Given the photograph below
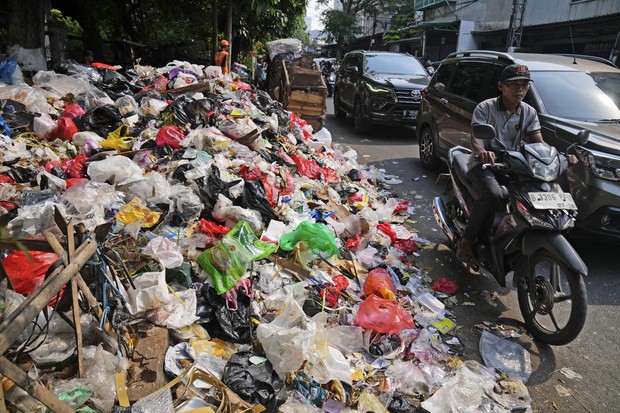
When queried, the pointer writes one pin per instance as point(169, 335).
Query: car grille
point(405, 95)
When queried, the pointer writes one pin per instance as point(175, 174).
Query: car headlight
point(379, 90)
point(601, 164)
point(547, 173)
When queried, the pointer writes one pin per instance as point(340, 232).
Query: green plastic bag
point(317, 236)
point(227, 262)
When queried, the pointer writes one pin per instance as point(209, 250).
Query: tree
point(342, 26)
point(404, 16)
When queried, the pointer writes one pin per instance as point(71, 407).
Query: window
point(468, 80)
point(393, 64)
point(442, 77)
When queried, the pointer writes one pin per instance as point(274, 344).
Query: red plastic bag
point(402, 206)
point(354, 243)
point(170, 135)
point(329, 175)
point(72, 111)
point(7, 180)
point(287, 185)
point(271, 192)
point(408, 246)
point(250, 174)
point(242, 86)
point(331, 294)
point(26, 273)
point(159, 85)
point(387, 230)
point(379, 282)
point(384, 316)
point(211, 228)
point(307, 168)
point(72, 181)
point(76, 167)
point(445, 285)
point(64, 130)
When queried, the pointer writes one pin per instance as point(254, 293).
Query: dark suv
point(570, 93)
point(379, 87)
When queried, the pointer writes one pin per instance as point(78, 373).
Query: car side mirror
point(484, 131)
point(352, 70)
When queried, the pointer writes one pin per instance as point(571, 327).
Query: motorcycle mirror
point(484, 131)
point(583, 136)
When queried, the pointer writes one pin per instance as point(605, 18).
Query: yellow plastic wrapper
point(135, 211)
point(118, 139)
point(370, 403)
point(215, 347)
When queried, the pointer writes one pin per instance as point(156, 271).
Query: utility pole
point(515, 30)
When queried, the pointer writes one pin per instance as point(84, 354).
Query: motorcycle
point(330, 81)
point(527, 234)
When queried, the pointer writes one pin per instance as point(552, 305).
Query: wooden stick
point(75, 302)
point(33, 388)
point(15, 325)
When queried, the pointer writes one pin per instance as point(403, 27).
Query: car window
point(490, 89)
point(442, 77)
point(393, 64)
point(468, 80)
point(579, 95)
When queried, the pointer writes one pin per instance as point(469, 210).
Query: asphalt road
point(593, 356)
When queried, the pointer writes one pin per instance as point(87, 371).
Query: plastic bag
point(116, 169)
point(126, 105)
point(170, 135)
point(387, 230)
point(64, 130)
point(317, 236)
point(506, 356)
point(445, 285)
point(119, 139)
point(379, 282)
point(228, 261)
point(230, 325)
point(165, 250)
point(27, 273)
point(76, 167)
point(256, 383)
point(134, 211)
point(307, 168)
point(384, 316)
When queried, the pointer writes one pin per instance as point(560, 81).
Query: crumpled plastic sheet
point(506, 356)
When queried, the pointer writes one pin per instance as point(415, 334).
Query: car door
point(465, 91)
point(350, 75)
point(435, 100)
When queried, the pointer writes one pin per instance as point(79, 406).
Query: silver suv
point(570, 93)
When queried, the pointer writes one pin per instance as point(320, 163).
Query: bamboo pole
point(36, 390)
point(16, 323)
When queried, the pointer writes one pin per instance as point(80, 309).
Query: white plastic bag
point(165, 250)
point(117, 169)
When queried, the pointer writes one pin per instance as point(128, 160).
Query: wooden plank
point(306, 98)
point(33, 388)
point(75, 302)
point(15, 323)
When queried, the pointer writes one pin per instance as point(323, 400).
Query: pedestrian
point(514, 121)
point(221, 57)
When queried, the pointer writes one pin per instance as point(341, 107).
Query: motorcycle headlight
point(545, 172)
point(601, 164)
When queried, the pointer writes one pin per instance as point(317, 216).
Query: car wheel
point(428, 149)
point(338, 112)
point(362, 125)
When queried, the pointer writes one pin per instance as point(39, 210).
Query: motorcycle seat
point(460, 161)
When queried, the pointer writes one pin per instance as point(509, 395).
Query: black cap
point(515, 72)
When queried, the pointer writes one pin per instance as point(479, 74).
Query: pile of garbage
point(243, 263)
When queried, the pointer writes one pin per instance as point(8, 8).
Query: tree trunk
point(26, 30)
point(216, 30)
point(229, 30)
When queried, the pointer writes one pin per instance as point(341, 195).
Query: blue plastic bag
point(7, 68)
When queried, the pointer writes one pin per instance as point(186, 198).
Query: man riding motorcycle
point(515, 122)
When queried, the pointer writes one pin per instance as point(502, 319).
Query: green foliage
point(340, 27)
point(73, 27)
point(404, 15)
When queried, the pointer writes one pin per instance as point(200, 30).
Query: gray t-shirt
point(510, 129)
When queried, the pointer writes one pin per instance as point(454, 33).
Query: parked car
point(570, 93)
point(379, 87)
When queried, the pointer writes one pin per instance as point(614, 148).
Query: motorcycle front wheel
point(556, 311)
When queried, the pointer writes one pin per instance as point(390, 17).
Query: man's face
point(514, 91)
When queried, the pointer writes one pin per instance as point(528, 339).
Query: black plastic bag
point(199, 112)
point(23, 175)
point(72, 68)
point(400, 404)
point(211, 186)
point(177, 108)
point(228, 325)
point(254, 383)
point(102, 120)
point(254, 198)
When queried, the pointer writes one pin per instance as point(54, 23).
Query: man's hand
point(572, 159)
point(487, 157)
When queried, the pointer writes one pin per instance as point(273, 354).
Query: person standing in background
point(222, 57)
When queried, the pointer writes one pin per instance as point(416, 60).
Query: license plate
point(552, 200)
point(410, 114)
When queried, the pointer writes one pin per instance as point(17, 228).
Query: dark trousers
point(488, 195)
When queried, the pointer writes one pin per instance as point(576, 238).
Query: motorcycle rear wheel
point(558, 313)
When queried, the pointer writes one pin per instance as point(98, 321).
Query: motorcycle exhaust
point(441, 217)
